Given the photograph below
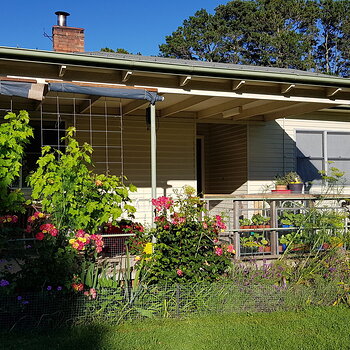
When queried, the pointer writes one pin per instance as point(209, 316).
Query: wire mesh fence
point(56, 308)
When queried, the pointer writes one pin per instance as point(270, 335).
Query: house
point(164, 123)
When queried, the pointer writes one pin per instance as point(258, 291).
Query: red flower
point(78, 287)
point(39, 236)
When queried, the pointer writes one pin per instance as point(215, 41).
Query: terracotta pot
point(253, 226)
point(280, 248)
point(281, 187)
point(267, 248)
point(261, 226)
point(267, 226)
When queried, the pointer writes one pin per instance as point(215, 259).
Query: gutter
point(81, 60)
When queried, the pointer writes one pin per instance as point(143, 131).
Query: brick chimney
point(66, 39)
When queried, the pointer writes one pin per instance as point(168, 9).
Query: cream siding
point(272, 147)
point(175, 159)
point(225, 158)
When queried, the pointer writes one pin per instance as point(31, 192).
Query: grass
point(315, 328)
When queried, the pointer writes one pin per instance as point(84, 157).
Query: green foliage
point(297, 34)
point(119, 50)
point(187, 247)
point(72, 194)
point(293, 177)
point(14, 135)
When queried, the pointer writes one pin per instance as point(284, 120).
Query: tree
point(297, 34)
point(118, 50)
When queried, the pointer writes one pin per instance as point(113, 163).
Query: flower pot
point(267, 248)
point(267, 226)
point(261, 226)
point(253, 226)
point(260, 249)
point(280, 187)
point(296, 187)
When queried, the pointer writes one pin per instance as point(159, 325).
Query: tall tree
point(299, 34)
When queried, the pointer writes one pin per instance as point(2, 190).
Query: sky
point(136, 26)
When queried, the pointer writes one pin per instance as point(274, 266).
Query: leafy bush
point(15, 133)
point(72, 194)
point(187, 247)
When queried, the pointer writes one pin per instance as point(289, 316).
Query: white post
point(153, 156)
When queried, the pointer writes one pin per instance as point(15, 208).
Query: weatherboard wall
point(272, 148)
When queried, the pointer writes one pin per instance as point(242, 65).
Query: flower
point(148, 248)
point(78, 287)
point(93, 293)
point(49, 288)
point(231, 249)
point(98, 183)
point(219, 223)
point(59, 288)
point(162, 203)
point(179, 272)
point(137, 258)
point(4, 283)
point(39, 236)
point(218, 251)
point(19, 298)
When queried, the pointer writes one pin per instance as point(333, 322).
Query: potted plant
point(295, 184)
point(260, 221)
point(280, 183)
point(244, 223)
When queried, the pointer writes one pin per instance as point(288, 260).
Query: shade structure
point(134, 94)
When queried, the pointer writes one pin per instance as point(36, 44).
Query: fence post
point(177, 300)
point(274, 233)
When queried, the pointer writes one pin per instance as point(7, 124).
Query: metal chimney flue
point(62, 18)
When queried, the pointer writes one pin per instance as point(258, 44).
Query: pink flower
point(166, 227)
point(162, 203)
point(231, 249)
point(205, 225)
point(80, 233)
point(28, 229)
point(215, 241)
point(93, 293)
point(177, 220)
point(179, 273)
point(39, 236)
point(219, 223)
point(218, 251)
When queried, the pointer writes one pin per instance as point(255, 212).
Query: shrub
point(187, 247)
point(14, 135)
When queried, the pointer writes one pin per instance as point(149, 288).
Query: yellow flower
point(75, 245)
point(148, 248)
point(137, 258)
point(81, 239)
point(71, 241)
point(41, 215)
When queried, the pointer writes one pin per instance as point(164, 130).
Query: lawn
point(315, 328)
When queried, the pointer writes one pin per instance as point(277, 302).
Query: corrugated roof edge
point(174, 66)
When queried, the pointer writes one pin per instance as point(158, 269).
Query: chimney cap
point(62, 18)
point(64, 13)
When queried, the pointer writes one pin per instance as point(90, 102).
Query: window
point(316, 148)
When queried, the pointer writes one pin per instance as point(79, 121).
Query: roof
point(196, 63)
